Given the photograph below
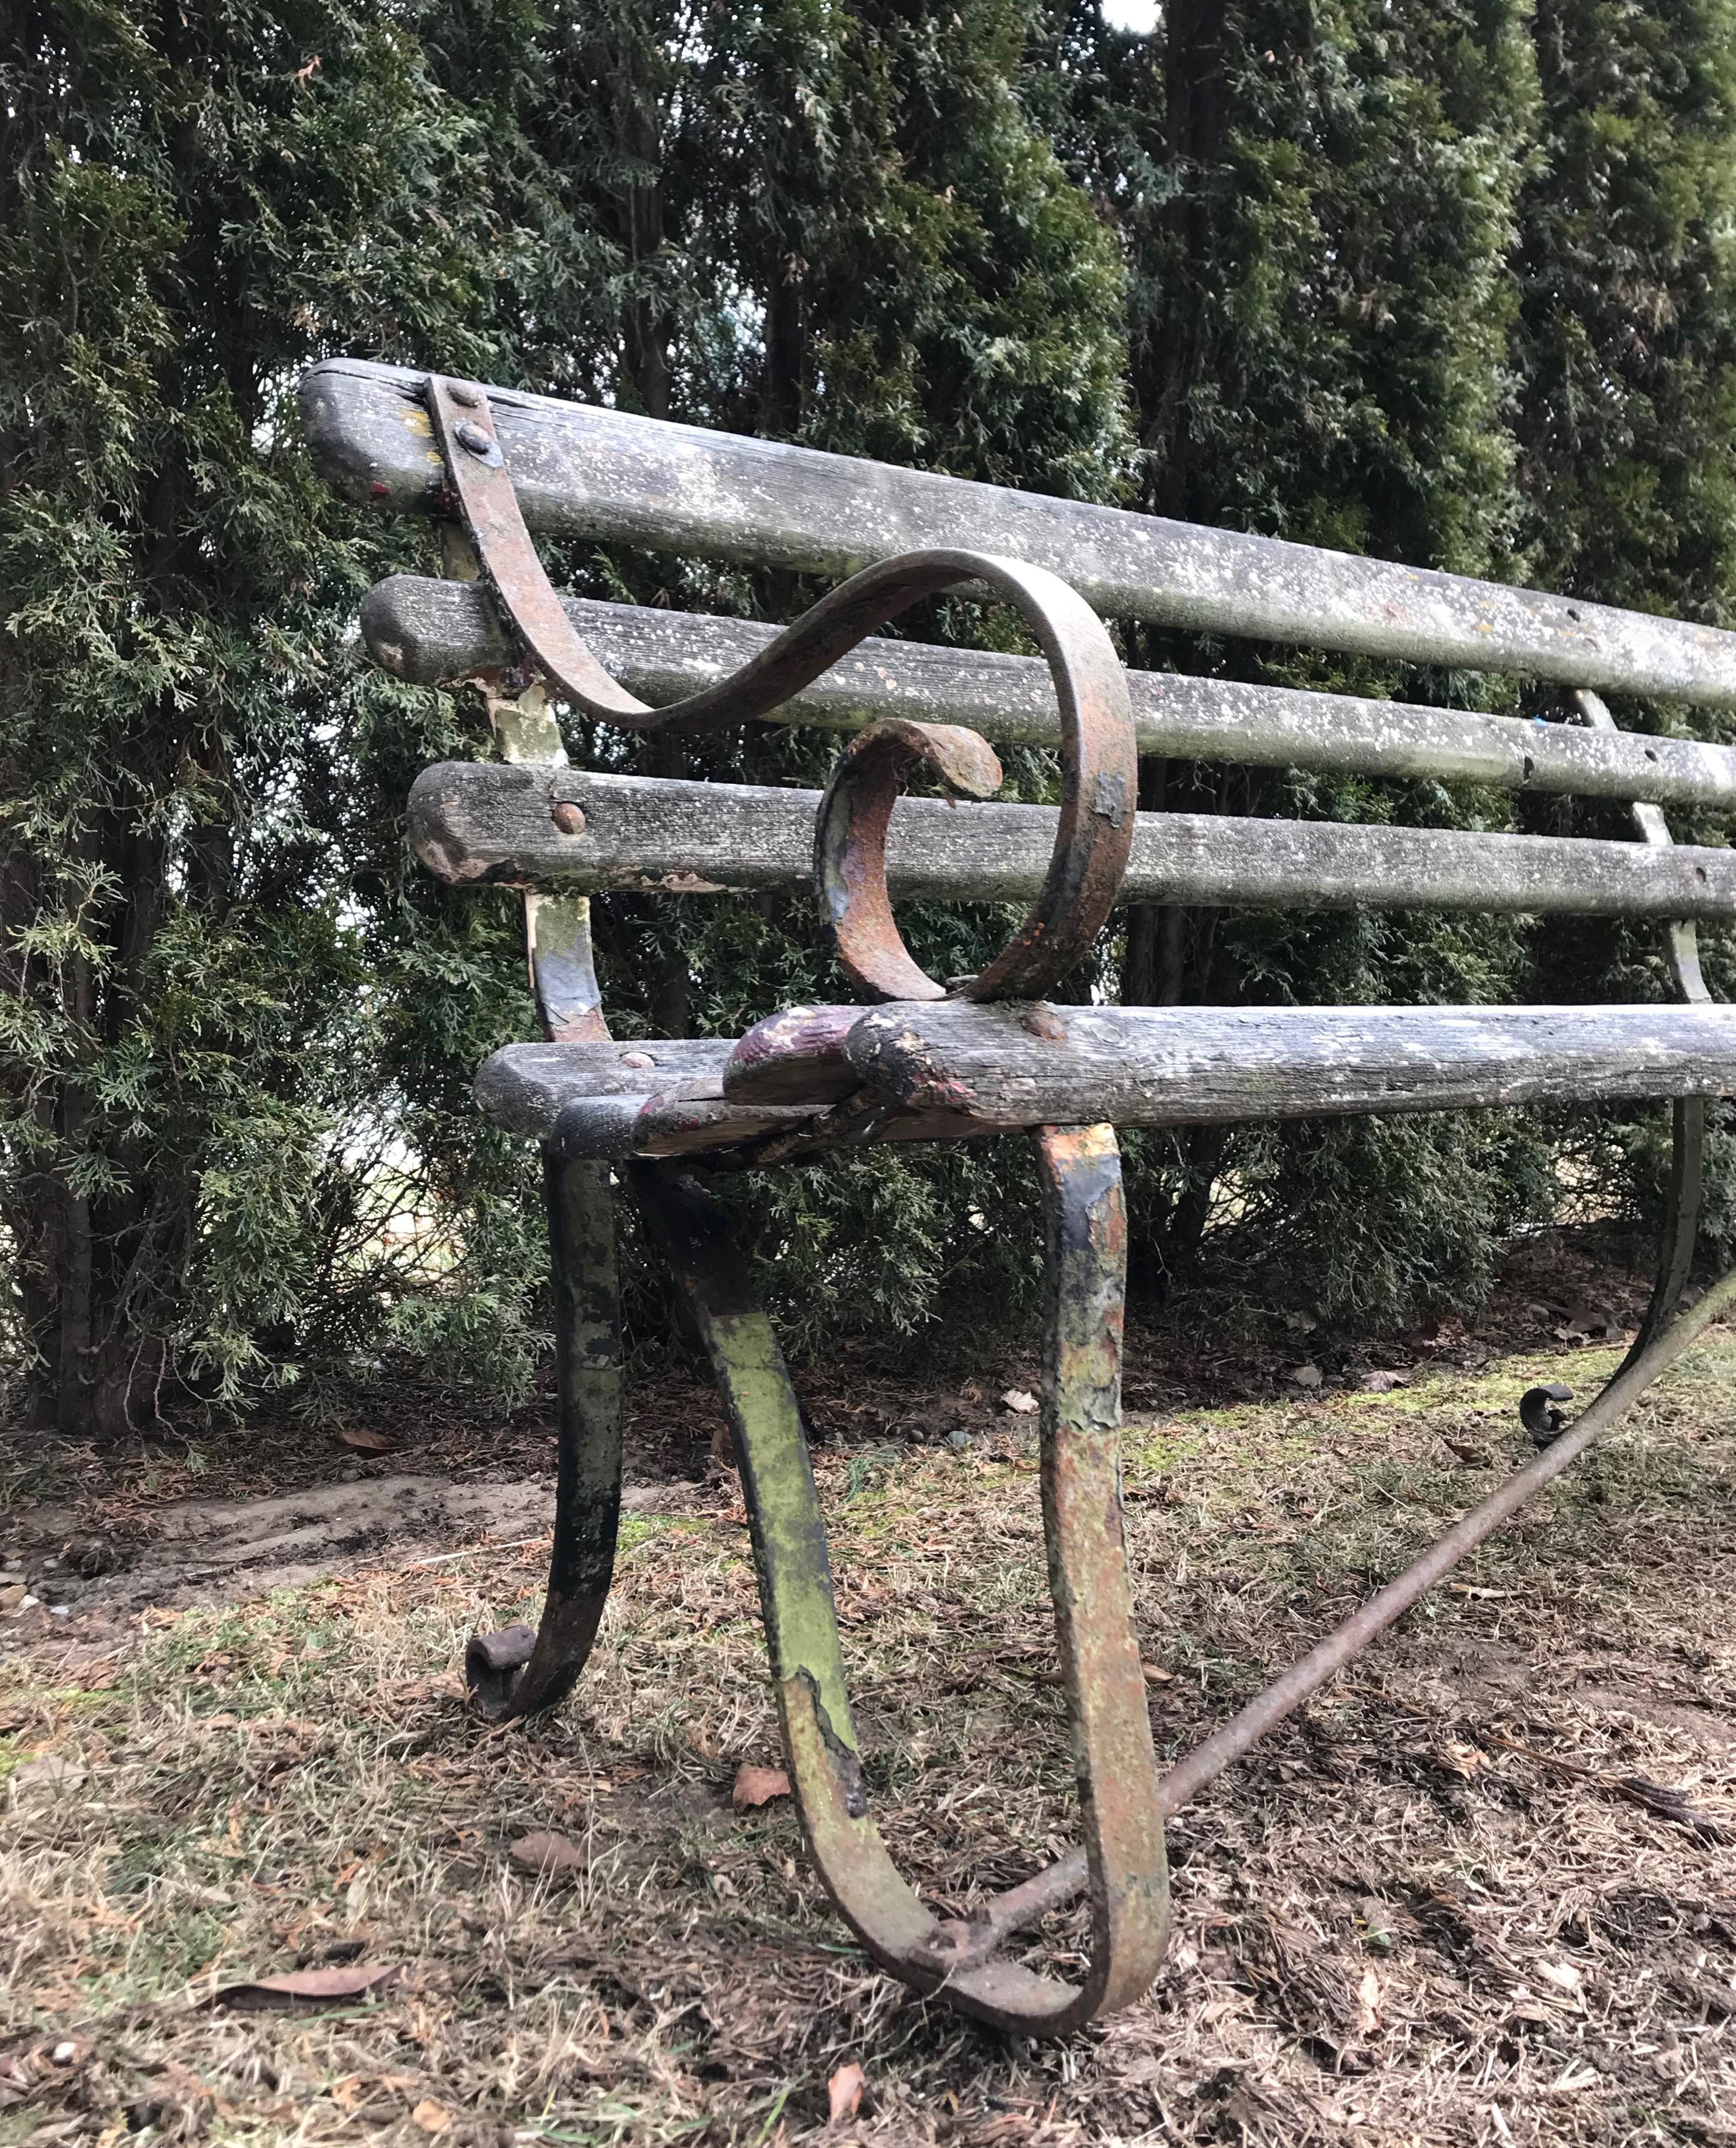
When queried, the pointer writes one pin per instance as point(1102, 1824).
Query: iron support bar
point(1687, 1127)
point(1123, 1859)
point(516, 1672)
point(521, 1669)
point(1064, 1881)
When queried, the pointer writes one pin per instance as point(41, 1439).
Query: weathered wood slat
point(526, 1087)
point(1143, 1066)
point(429, 632)
point(961, 1067)
point(479, 821)
point(604, 475)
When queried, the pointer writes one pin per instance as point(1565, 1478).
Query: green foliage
point(189, 211)
point(1318, 204)
point(1449, 283)
point(1624, 354)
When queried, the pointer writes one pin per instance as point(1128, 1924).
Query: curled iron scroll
point(1100, 767)
point(1093, 838)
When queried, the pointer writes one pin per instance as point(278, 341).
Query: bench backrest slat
point(612, 478)
point(431, 632)
point(474, 822)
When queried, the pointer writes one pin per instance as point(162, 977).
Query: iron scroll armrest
point(1100, 767)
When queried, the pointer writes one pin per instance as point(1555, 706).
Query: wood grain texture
point(482, 821)
point(432, 633)
point(608, 477)
point(525, 1086)
point(957, 1070)
point(1148, 1067)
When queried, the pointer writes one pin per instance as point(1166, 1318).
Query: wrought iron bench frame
point(987, 1054)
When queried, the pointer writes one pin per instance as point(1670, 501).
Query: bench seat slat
point(1164, 1066)
point(608, 477)
point(479, 822)
point(430, 633)
point(963, 1067)
point(525, 1087)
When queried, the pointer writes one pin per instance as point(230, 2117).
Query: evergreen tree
point(242, 1023)
point(1317, 202)
point(193, 205)
point(833, 224)
point(1624, 351)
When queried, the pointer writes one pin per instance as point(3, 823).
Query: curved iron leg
point(518, 1672)
point(1681, 1222)
point(1120, 1815)
point(1682, 1209)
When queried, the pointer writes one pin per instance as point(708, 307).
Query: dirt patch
point(1433, 1908)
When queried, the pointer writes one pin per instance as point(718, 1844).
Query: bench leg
point(1681, 1220)
point(518, 1671)
point(1123, 1829)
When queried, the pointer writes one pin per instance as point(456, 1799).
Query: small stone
point(1305, 1375)
point(958, 1439)
point(637, 1059)
point(63, 2054)
point(60, 1610)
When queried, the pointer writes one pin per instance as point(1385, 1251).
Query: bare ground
point(1444, 1906)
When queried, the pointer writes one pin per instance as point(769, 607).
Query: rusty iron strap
point(1063, 1882)
point(1100, 768)
point(1093, 837)
point(482, 486)
point(1123, 1858)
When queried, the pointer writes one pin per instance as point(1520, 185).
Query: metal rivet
point(471, 435)
point(462, 392)
point(567, 818)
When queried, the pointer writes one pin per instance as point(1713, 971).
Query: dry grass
point(1407, 1920)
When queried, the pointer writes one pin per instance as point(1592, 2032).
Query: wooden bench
point(927, 1060)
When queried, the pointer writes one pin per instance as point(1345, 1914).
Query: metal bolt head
point(471, 435)
point(569, 818)
point(462, 392)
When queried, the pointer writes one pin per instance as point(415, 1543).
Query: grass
point(1407, 1919)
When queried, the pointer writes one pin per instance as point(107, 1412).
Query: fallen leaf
point(549, 1856)
point(1383, 1383)
point(1154, 1675)
point(844, 2095)
point(306, 1987)
point(1368, 2004)
point(431, 2116)
point(1474, 1458)
point(366, 1442)
point(1459, 1758)
point(1021, 1402)
point(1562, 1975)
point(758, 1786)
